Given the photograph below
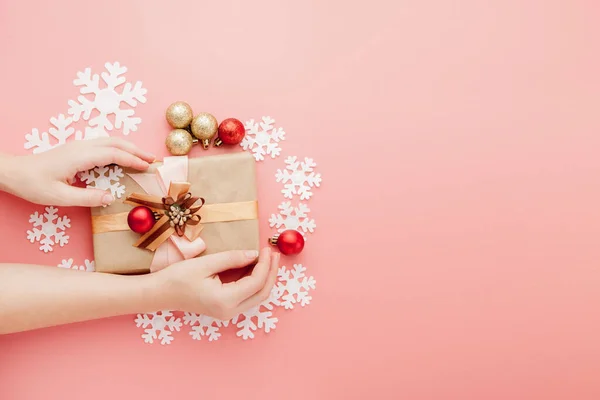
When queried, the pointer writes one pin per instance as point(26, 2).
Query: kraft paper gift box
point(228, 216)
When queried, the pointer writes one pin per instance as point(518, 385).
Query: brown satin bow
point(182, 212)
point(179, 216)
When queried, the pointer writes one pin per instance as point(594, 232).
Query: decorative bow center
point(177, 212)
point(181, 211)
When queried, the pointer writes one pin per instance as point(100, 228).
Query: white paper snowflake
point(105, 178)
point(89, 266)
point(159, 325)
point(56, 136)
point(48, 229)
point(298, 178)
point(202, 325)
point(294, 286)
point(262, 138)
point(259, 317)
point(292, 218)
point(107, 100)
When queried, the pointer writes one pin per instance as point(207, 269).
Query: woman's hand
point(194, 285)
point(46, 178)
point(34, 296)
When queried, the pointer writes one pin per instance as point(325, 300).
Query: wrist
point(150, 296)
point(160, 293)
point(9, 174)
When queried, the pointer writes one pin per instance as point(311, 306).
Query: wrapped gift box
point(228, 216)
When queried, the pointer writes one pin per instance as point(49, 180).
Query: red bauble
point(289, 242)
point(231, 131)
point(140, 219)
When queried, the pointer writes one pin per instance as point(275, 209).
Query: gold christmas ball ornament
point(179, 115)
point(179, 142)
point(204, 127)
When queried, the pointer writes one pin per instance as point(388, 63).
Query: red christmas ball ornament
point(140, 219)
point(288, 242)
point(231, 131)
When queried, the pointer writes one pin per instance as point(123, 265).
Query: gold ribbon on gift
point(178, 213)
point(210, 214)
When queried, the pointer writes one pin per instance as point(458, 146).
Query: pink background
point(456, 250)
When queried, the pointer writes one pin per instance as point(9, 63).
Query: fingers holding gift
point(264, 293)
point(221, 262)
point(238, 296)
point(72, 196)
point(95, 156)
point(253, 283)
point(121, 144)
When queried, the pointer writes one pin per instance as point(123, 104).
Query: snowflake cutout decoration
point(292, 218)
point(48, 229)
point(107, 100)
point(105, 178)
point(262, 138)
point(203, 325)
point(258, 317)
point(294, 286)
point(159, 325)
point(298, 178)
point(56, 136)
point(88, 266)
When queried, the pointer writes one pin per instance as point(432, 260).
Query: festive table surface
point(454, 234)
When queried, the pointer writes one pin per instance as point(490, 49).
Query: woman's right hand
point(194, 285)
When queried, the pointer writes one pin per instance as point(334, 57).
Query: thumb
point(220, 262)
point(86, 197)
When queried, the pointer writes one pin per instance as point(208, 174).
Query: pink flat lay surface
point(457, 250)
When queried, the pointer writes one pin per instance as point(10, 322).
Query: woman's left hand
point(46, 178)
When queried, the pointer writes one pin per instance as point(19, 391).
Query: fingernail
point(276, 256)
point(107, 199)
point(251, 254)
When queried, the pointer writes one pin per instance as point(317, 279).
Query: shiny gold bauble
point(179, 142)
point(204, 127)
point(179, 115)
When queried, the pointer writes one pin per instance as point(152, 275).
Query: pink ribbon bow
point(176, 248)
